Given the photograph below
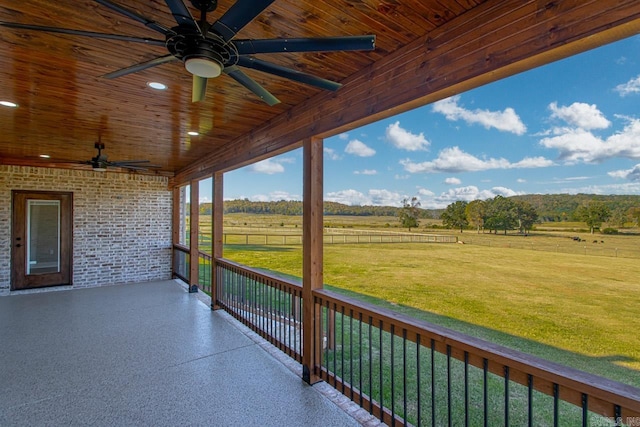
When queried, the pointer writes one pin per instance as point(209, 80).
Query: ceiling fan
point(100, 163)
point(209, 49)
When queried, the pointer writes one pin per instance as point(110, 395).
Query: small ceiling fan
point(100, 163)
point(209, 49)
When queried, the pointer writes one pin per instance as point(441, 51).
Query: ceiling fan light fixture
point(203, 67)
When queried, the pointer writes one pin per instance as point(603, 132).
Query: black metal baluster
point(370, 365)
point(419, 397)
point(404, 375)
point(351, 352)
point(326, 337)
point(342, 348)
point(433, 382)
point(485, 391)
point(466, 388)
point(617, 415)
point(530, 400)
point(449, 385)
point(556, 399)
point(333, 346)
point(360, 357)
point(380, 376)
point(506, 396)
point(393, 390)
point(585, 409)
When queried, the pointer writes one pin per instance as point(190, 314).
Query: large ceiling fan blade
point(237, 16)
point(83, 33)
point(141, 66)
point(322, 44)
point(128, 162)
point(235, 73)
point(288, 73)
point(135, 16)
point(182, 15)
point(199, 90)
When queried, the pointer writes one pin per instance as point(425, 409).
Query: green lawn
point(578, 310)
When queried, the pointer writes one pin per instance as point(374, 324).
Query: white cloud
point(331, 153)
point(452, 181)
point(454, 160)
point(366, 172)
point(580, 115)
point(630, 87)
point(405, 176)
point(275, 196)
point(425, 192)
point(521, 180)
point(373, 197)
point(532, 162)
point(359, 148)
point(467, 194)
point(405, 140)
point(505, 121)
point(624, 189)
point(577, 145)
point(343, 136)
point(267, 166)
point(632, 174)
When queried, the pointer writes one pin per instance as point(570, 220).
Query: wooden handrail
point(603, 393)
point(258, 274)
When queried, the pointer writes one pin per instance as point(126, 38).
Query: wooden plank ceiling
point(425, 49)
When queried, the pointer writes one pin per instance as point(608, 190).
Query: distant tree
point(501, 214)
point(475, 213)
point(594, 214)
point(455, 215)
point(526, 214)
point(634, 214)
point(618, 218)
point(409, 213)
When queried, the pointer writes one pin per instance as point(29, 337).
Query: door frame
point(19, 278)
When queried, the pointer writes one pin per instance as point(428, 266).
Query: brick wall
point(121, 223)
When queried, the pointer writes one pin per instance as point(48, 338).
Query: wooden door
point(41, 239)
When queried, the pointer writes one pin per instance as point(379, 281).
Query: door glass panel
point(43, 236)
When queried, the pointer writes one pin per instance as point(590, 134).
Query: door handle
point(18, 245)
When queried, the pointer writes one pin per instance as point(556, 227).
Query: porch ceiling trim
point(494, 40)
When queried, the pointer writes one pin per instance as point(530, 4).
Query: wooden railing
point(181, 262)
point(406, 371)
point(269, 305)
point(342, 238)
point(204, 271)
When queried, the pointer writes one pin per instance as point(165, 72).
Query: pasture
point(543, 294)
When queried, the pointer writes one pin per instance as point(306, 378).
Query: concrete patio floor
point(145, 354)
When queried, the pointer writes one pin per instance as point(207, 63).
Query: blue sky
point(572, 126)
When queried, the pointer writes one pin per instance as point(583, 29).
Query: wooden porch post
point(194, 225)
point(217, 229)
point(311, 255)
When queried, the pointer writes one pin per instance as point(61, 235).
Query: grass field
point(577, 310)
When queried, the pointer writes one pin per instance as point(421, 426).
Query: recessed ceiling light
point(193, 133)
point(8, 104)
point(157, 85)
point(45, 156)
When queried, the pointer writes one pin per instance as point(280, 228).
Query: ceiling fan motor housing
point(211, 53)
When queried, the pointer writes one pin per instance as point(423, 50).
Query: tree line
point(503, 214)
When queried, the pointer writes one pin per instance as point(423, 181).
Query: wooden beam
point(312, 261)
point(194, 225)
point(217, 229)
point(492, 41)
